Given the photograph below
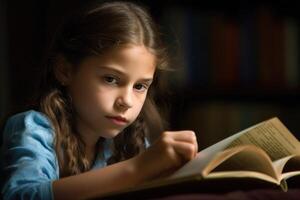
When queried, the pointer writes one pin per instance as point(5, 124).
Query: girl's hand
point(167, 154)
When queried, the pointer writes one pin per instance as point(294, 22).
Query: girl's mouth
point(118, 120)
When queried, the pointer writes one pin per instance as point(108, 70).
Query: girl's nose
point(124, 101)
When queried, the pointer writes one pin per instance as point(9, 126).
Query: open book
point(267, 152)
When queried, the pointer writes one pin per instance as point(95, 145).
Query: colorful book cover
point(176, 27)
point(198, 49)
point(217, 48)
point(248, 50)
point(291, 52)
point(225, 51)
point(271, 49)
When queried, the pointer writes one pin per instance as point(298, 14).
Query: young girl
point(89, 134)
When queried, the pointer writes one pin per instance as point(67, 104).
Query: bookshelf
point(214, 115)
point(256, 46)
point(238, 63)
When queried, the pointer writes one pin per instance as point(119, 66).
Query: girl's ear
point(63, 70)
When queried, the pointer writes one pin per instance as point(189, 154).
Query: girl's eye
point(141, 87)
point(110, 79)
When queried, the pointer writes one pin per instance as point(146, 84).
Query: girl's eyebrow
point(147, 80)
point(113, 69)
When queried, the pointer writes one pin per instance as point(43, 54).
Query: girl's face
point(109, 91)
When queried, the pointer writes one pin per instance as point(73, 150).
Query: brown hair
point(92, 32)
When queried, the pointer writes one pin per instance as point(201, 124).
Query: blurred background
point(237, 61)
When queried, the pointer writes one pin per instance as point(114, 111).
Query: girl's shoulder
point(29, 123)
point(29, 118)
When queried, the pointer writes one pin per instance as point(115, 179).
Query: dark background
point(199, 100)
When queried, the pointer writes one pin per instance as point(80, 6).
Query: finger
point(185, 150)
point(196, 147)
point(187, 136)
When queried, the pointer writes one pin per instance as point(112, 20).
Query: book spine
point(197, 51)
point(249, 43)
point(229, 71)
point(271, 50)
point(175, 22)
point(217, 48)
point(291, 53)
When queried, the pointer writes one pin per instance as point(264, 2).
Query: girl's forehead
point(129, 59)
point(129, 48)
point(130, 54)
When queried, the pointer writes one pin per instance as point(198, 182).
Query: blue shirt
point(29, 163)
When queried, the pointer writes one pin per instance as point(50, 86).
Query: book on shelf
point(271, 49)
point(249, 43)
point(266, 154)
point(291, 52)
point(197, 45)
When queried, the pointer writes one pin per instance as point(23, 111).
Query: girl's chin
point(111, 134)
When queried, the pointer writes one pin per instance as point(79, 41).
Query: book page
point(273, 137)
point(280, 163)
point(244, 158)
point(203, 158)
point(291, 166)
